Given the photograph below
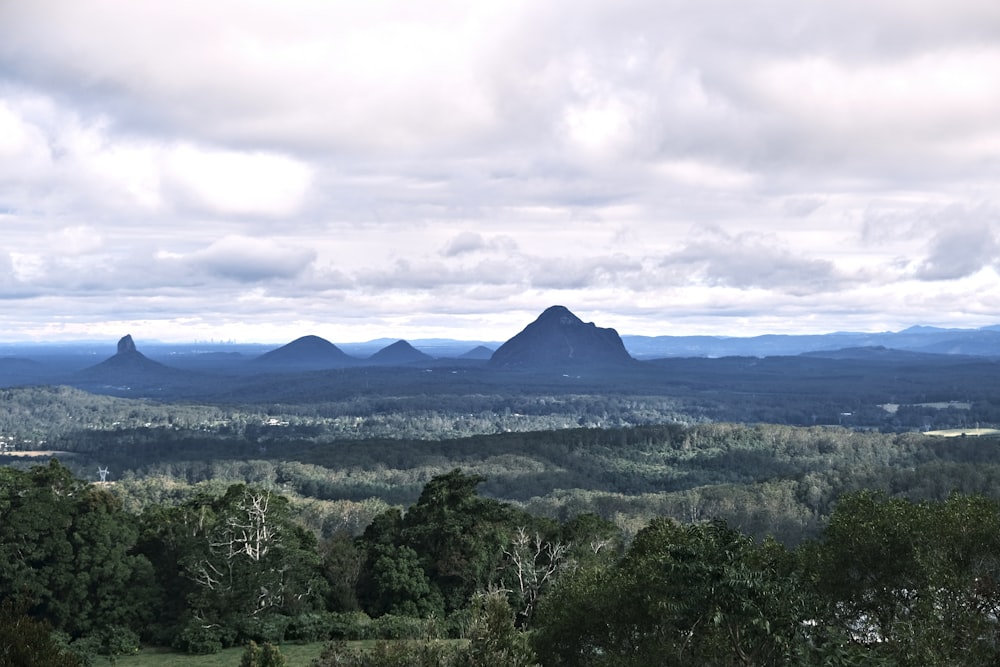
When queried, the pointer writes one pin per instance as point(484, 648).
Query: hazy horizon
point(457, 337)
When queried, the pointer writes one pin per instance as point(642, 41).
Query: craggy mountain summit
point(307, 353)
point(128, 366)
point(560, 338)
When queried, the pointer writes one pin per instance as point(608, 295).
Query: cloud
point(251, 260)
point(77, 240)
point(237, 183)
point(9, 285)
point(471, 242)
point(747, 261)
point(24, 149)
point(421, 275)
point(561, 273)
point(960, 251)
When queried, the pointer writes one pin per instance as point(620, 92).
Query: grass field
point(297, 655)
point(959, 432)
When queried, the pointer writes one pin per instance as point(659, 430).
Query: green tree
point(402, 584)
point(233, 558)
point(458, 535)
point(914, 583)
point(69, 546)
point(683, 594)
point(342, 561)
point(28, 641)
point(494, 640)
point(446, 547)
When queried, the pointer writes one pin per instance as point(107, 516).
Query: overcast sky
point(257, 171)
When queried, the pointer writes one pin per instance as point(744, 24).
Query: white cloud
point(913, 108)
point(701, 174)
point(750, 261)
point(960, 251)
point(78, 240)
point(472, 242)
point(250, 260)
point(237, 183)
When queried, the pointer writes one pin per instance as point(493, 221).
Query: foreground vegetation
point(546, 528)
point(888, 581)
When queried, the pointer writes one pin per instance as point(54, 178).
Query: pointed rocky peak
point(128, 367)
point(560, 338)
point(558, 316)
point(126, 345)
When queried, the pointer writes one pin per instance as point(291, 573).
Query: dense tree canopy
point(68, 547)
point(887, 580)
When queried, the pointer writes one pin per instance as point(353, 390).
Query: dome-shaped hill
point(399, 353)
point(306, 353)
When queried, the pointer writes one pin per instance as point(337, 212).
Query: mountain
point(559, 338)
point(983, 342)
point(129, 368)
point(399, 353)
point(307, 353)
point(438, 348)
point(480, 352)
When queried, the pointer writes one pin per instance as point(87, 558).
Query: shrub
point(265, 628)
point(199, 639)
point(267, 655)
point(391, 626)
point(350, 626)
point(309, 627)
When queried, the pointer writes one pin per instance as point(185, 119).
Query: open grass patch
point(960, 432)
point(297, 655)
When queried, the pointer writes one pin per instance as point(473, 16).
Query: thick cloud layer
point(261, 171)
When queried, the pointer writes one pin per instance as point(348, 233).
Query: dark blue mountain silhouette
point(560, 338)
point(307, 353)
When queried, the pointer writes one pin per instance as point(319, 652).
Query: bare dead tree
point(239, 546)
point(534, 562)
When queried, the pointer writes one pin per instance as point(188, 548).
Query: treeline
point(763, 479)
point(74, 420)
point(87, 422)
point(888, 581)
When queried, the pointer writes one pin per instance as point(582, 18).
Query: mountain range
point(983, 342)
point(556, 340)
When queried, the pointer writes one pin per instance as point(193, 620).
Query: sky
point(256, 171)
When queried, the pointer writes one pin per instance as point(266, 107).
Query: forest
point(443, 524)
point(461, 579)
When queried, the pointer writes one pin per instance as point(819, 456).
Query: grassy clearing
point(959, 432)
point(297, 655)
